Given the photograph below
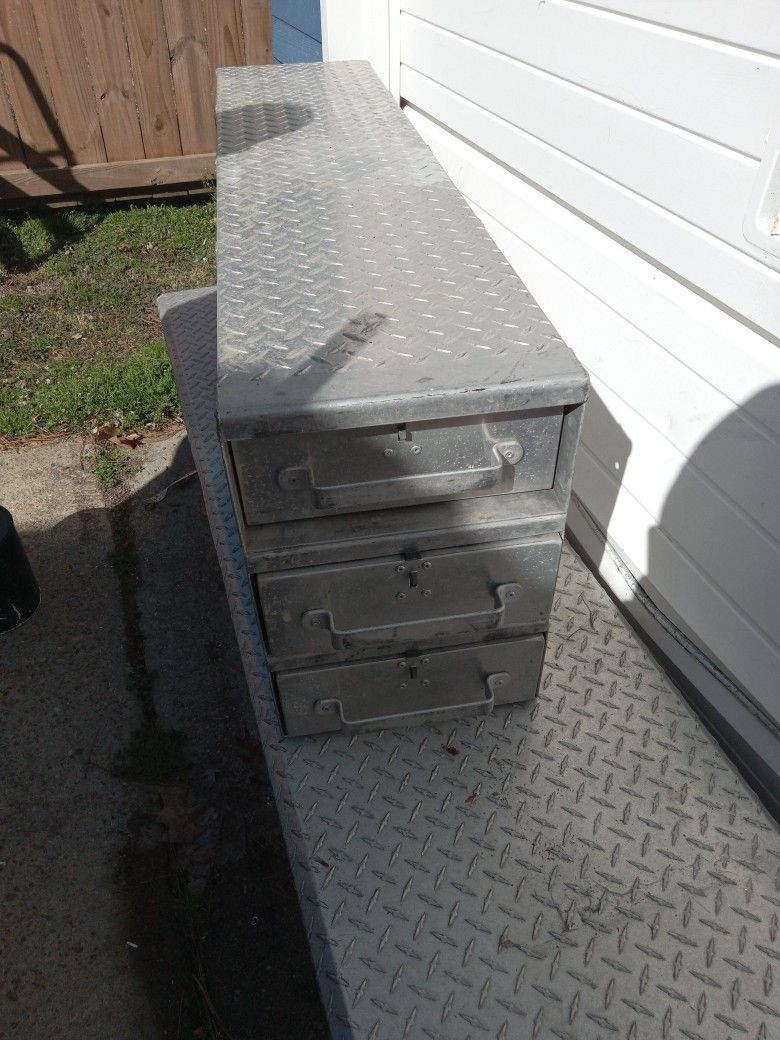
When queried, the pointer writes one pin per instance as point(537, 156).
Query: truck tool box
point(586, 864)
point(579, 866)
point(399, 418)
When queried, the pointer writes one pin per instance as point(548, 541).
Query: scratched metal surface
point(352, 274)
point(586, 866)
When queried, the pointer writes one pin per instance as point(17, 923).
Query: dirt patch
point(210, 846)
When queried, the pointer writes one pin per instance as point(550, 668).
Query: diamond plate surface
point(586, 866)
point(352, 275)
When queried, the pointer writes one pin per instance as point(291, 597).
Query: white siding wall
point(610, 148)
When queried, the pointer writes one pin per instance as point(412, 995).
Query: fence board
point(104, 38)
point(108, 177)
point(59, 32)
point(11, 154)
point(116, 96)
point(223, 31)
point(28, 86)
point(150, 62)
point(258, 31)
point(193, 78)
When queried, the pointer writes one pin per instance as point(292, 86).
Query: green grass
point(26, 239)
point(110, 465)
point(73, 395)
point(79, 336)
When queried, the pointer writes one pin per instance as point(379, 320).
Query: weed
point(110, 465)
point(13, 304)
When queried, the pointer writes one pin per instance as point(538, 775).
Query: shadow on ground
point(155, 901)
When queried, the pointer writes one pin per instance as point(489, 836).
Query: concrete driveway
point(144, 884)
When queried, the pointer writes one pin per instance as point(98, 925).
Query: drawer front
point(292, 476)
point(379, 606)
point(469, 680)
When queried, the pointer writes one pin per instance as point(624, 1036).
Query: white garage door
point(611, 148)
point(654, 132)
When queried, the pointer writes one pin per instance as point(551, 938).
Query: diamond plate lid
point(355, 285)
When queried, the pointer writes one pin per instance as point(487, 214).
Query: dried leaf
point(178, 818)
point(132, 439)
point(105, 432)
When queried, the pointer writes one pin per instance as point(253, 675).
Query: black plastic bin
point(19, 593)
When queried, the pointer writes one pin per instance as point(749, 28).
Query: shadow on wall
point(683, 527)
point(609, 431)
point(725, 448)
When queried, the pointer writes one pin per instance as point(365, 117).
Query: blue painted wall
point(297, 32)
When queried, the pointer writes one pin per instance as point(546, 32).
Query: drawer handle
point(320, 620)
point(483, 706)
point(416, 485)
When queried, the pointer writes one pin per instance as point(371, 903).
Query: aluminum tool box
point(399, 418)
point(582, 866)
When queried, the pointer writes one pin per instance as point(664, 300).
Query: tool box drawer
point(376, 606)
point(291, 476)
point(468, 680)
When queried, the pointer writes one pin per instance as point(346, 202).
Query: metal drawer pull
point(424, 485)
point(484, 706)
point(483, 620)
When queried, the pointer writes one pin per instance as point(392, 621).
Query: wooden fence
point(116, 96)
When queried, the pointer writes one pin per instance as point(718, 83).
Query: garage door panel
point(703, 184)
point(725, 21)
point(725, 94)
point(744, 284)
point(740, 364)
